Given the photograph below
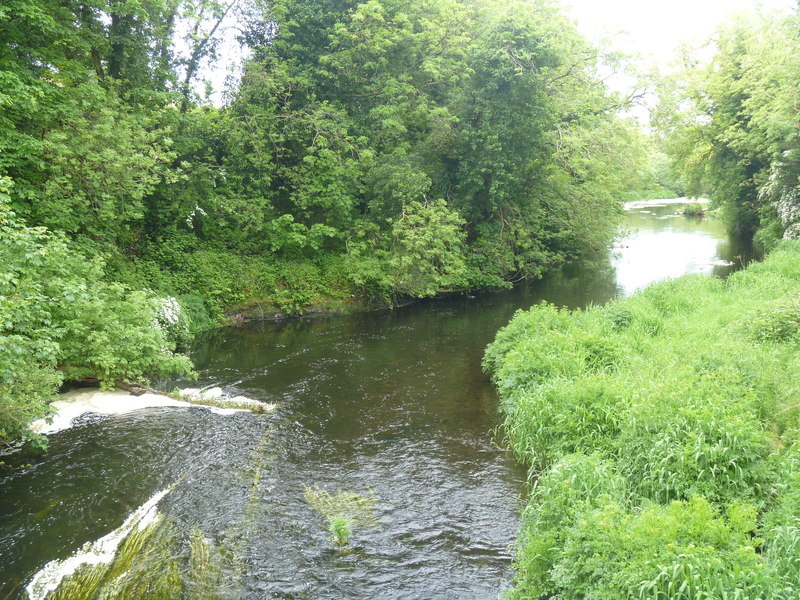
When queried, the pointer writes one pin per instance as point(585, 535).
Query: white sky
point(656, 28)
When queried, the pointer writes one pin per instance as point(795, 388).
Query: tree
point(736, 130)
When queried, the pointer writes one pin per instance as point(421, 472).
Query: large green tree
point(732, 122)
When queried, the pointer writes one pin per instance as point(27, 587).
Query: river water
point(388, 405)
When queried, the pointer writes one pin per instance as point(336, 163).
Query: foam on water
point(84, 401)
point(101, 551)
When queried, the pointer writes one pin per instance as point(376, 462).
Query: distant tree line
point(732, 124)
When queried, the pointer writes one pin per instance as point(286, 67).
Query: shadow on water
point(390, 403)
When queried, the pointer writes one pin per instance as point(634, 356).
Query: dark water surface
point(392, 404)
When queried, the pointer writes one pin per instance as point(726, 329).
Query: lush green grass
point(662, 431)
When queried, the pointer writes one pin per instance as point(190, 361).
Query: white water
point(99, 552)
point(91, 400)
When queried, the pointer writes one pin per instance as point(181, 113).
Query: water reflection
point(660, 244)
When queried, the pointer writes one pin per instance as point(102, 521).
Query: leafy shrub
point(683, 551)
point(599, 548)
point(569, 488)
point(552, 354)
point(620, 316)
point(777, 321)
point(60, 319)
point(523, 325)
point(196, 311)
point(299, 285)
point(563, 417)
point(696, 450)
point(630, 315)
point(174, 321)
point(693, 210)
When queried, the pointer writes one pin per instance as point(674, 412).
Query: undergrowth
point(662, 433)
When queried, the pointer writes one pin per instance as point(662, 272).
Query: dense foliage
point(731, 124)
point(60, 319)
point(371, 151)
point(662, 430)
point(359, 133)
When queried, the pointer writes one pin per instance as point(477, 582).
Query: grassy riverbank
point(662, 430)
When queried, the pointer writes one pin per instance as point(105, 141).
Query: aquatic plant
point(341, 528)
point(207, 577)
point(342, 510)
point(143, 558)
point(145, 566)
point(150, 564)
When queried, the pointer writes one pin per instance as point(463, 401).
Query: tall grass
point(663, 433)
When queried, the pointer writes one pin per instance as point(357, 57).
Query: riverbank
point(324, 292)
point(662, 430)
point(259, 310)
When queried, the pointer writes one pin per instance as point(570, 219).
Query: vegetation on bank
point(372, 151)
point(663, 435)
point(60, 319)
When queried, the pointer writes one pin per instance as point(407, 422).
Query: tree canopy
point(731, 123)
point(372, 150)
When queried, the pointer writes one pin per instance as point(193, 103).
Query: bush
point(571, 487)
point(560, 418)
point(693, 210)
point(60, 319)
point(674, 450)
point(547, 343)
point(525, 324)
point(776, 321)
point(682, 551)
point(428, 249)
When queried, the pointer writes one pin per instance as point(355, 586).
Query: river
point(390, 405)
